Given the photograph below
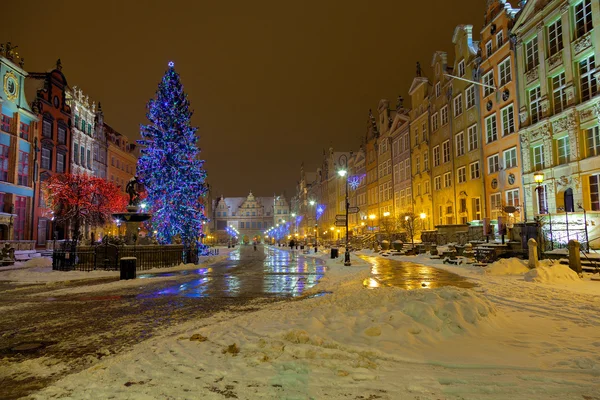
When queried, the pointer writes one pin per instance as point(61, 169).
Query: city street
point(78, 329)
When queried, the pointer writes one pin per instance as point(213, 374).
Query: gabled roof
point(417, 81)
point(525, 16)
point(468, 30)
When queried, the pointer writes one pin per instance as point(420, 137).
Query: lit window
point(538, 157)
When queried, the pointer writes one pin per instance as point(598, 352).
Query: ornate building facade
point(468, 188)
point(559, 114)
point(83, 121)
point(18, 125)
point(54, 137)
point(250, 216)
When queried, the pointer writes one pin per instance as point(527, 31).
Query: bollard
point(533, 255)
point(574, 257)
point(128, 267)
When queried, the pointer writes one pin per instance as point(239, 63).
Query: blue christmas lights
point(170, 166)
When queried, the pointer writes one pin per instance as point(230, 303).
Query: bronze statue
point(131, 189)
point(418, 68)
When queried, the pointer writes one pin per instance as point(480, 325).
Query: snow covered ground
point(507, 338)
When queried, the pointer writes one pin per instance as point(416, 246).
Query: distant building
point(251, 216)
point(17, 126)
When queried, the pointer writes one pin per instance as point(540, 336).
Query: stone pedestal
point(574, 256)
point(533, 253)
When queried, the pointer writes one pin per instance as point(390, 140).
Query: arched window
point(569, 203)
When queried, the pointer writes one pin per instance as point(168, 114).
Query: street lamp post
point(539, 179)
point(372, 219)
point(343, 172)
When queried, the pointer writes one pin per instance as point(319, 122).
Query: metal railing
point(107, 256)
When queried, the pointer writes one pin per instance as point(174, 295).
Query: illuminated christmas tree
point(170, 166)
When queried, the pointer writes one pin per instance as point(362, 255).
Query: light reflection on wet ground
point(407, 275)
point(271, 272)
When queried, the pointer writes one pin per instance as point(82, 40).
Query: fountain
point(133, 217)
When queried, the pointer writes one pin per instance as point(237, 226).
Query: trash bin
point(128, 265)
point(335, 253)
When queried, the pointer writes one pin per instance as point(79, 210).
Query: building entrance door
point(42, 231)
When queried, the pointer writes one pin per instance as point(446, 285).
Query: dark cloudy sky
point(272, 83)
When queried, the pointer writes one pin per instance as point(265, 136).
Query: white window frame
point(531, 54)
point(438, 89)
point(559, 95)
point(563, 147)
point(583, 18)
point(510, 197)
point(592, 141)
point(446, 151)
point(508, 120)
point(444, 115)
point(459, 139)
point(538, 157)
point(535, 107)
point(499, 39)
point(488, 79)
point(491, 128)
point(474, 170)
point(461, 68)
point(458, 105)
point(436, 156)
point(509, 158)
point(555, 38)
point(504, 71)
point(493, 162)
point(588, 77)
point(472, 138)
point(461, 174)
point(470, 96)
point(434, 122)
point(489, 48)
point(437, 183)
point(447, 179)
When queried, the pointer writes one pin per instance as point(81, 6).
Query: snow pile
point(355, 319)
point(507, 266)
point(557, 273)
point(38, 262)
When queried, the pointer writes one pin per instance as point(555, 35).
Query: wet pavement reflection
point(408, 275)
point(266, 272)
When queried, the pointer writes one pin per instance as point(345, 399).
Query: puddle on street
point(409, 276)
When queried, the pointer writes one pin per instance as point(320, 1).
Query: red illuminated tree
point(82, 199)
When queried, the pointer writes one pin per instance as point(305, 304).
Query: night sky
point(272, 83)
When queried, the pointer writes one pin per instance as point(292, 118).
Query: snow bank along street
point(517, 334)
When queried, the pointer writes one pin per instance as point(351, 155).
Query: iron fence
point(107, 256)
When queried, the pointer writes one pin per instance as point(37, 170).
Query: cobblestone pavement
point(73, 331)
